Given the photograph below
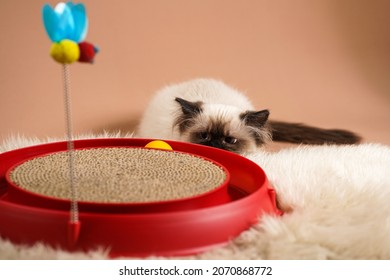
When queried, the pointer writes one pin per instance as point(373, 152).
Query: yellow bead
point(158, 144)
point(66, 51)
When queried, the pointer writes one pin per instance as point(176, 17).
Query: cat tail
point(304, 134)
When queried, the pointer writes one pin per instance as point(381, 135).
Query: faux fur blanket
point(336, 199)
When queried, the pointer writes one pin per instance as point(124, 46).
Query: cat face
point(221, 126)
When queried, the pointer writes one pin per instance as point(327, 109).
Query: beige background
point(322, 62)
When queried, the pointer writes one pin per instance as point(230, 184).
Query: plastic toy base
point(172, 229)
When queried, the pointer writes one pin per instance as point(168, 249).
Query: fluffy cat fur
point(208, 112)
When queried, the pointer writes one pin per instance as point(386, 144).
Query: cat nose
point(215, 144)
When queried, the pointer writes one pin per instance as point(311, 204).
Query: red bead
point(87, 52)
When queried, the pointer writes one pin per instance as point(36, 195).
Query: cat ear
point(189, 109)
point(255, 118)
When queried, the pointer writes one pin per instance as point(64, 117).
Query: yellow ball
point(65, 52)
point(158, 144)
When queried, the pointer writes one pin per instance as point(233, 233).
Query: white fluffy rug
point(336, 198)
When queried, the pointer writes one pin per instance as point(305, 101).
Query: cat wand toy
point(67, 26)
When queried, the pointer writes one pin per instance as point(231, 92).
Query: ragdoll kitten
point(208, 112)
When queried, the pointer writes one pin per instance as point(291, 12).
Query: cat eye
point(231, 140)
point(204, 136)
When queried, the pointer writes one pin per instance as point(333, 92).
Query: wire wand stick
point(74, 225)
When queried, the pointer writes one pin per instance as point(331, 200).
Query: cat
point(211, 113)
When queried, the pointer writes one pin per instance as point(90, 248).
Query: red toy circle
point(177, 227)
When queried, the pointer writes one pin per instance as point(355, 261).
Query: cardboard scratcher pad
point(176, 226)
point(120, 175)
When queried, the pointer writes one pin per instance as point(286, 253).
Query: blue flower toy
point(67, 26)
